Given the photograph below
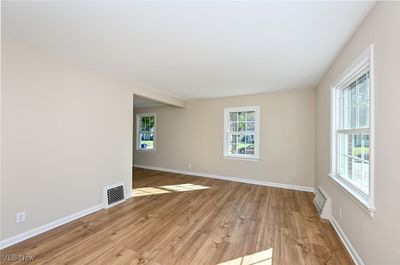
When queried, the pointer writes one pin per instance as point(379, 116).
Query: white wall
point(66, 133)
point(377, 239)
point(195, 135)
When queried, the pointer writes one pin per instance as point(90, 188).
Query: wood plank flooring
point(206, 221)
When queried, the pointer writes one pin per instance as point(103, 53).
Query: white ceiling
point(193, 49)
point(142, 102)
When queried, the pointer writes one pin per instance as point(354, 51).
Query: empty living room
point(200, 132)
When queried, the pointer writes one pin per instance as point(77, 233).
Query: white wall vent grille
point(114, 195)
point(322, 203)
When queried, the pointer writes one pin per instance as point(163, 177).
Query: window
point(351, 132)
point(241, 132)
point(146, 131)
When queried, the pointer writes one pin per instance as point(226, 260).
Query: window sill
point(146, 151)
point(243, 158)
point(361, 201)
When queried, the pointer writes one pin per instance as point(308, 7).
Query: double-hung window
point(146, 132)
point(241, 132)
point(351, 132)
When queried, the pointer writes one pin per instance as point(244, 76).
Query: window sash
point(345, 106)
point(241, 133)
point(351, 168)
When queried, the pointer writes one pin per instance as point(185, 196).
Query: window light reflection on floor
point(139, 192)
point(184, 187)
point(259, 258)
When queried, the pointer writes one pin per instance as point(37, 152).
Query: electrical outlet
point(340, 213)
point(20, 217)
point(189, 165)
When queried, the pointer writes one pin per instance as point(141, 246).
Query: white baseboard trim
point(353, 253)
point(242, 180)
point(44, 228)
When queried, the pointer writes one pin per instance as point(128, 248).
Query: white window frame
point(363, 63)
point(256, 155)
point(138, 121)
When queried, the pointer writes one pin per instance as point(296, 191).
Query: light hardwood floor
point(207, 221)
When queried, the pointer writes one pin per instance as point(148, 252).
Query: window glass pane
point(250, 116)
point(151, 123)
point(250, 126)
point(250, 144)
point(241, 146)
point(233, 127)
point(147, 124)
point(233, 116)
point(233, 138)
point(342, 144)
point(365, 145)
point(350, 145)
point(232, 149)
point(250, 139)
point(357, 149)
point(346, 109)
point(242, 116)
point(143, 124)
point(363, 91)
point(241, 126)
point(353, 124)
point(146, 141)
point(241, 149)
point(364, 114)
point(353, 91)
point(250, 149)
point(356, 172)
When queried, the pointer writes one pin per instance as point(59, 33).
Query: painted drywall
point(194, 135)
point(66, 132)
point(375, 239)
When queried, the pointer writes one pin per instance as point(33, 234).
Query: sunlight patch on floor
point(147, 191)
point(139, 192)
point(184, 187)
point(259, 258)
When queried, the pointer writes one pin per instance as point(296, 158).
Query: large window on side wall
point(241, 132)
point(146, 132)
point(352, 131)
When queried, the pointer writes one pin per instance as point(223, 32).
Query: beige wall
point(377, 239)
point(195, 135)
point(66, 133)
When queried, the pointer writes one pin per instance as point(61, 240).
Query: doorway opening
point(144, 127)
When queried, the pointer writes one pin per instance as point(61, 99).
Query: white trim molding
point(44, 228)
point(235, 179)
point(352, 251)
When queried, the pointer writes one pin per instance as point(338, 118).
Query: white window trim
point(138, 117)
point(256, 156)
point(364, 61)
